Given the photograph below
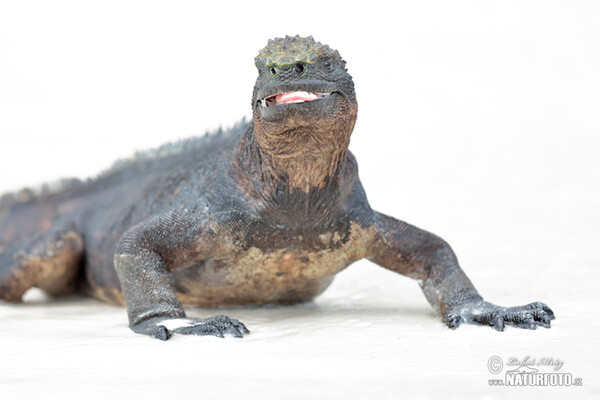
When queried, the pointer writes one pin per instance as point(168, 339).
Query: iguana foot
point(219, 325)
point(483, 313)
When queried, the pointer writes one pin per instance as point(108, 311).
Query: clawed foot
point(219, 325)
point(483, 313)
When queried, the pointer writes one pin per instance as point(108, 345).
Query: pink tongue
point(295, 97)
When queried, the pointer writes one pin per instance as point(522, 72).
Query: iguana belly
point(257, 277)
point(251, 275)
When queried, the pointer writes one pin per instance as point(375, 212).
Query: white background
point(479, 121)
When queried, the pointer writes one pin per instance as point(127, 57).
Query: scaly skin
point(268, 212)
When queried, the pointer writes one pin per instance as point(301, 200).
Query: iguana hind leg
point(49, 261)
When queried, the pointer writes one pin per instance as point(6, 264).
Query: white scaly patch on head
point(175, 323)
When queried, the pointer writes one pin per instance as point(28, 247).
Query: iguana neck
point(293, 161)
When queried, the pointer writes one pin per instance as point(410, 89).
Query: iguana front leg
point(145, 256)
point(421, 255)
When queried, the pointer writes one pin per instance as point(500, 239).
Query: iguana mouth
point(291, 98)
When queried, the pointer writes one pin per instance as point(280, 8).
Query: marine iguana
point(267, 212)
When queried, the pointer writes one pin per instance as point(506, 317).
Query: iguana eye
point(328, 66)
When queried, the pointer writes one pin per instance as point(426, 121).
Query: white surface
point(478, 121)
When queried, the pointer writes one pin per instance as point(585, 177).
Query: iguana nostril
point(299, 68)
point(273, 71)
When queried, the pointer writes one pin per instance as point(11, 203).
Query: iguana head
point(304, 104)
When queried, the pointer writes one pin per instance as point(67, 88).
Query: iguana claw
point(480, 312)
point(219, 326)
